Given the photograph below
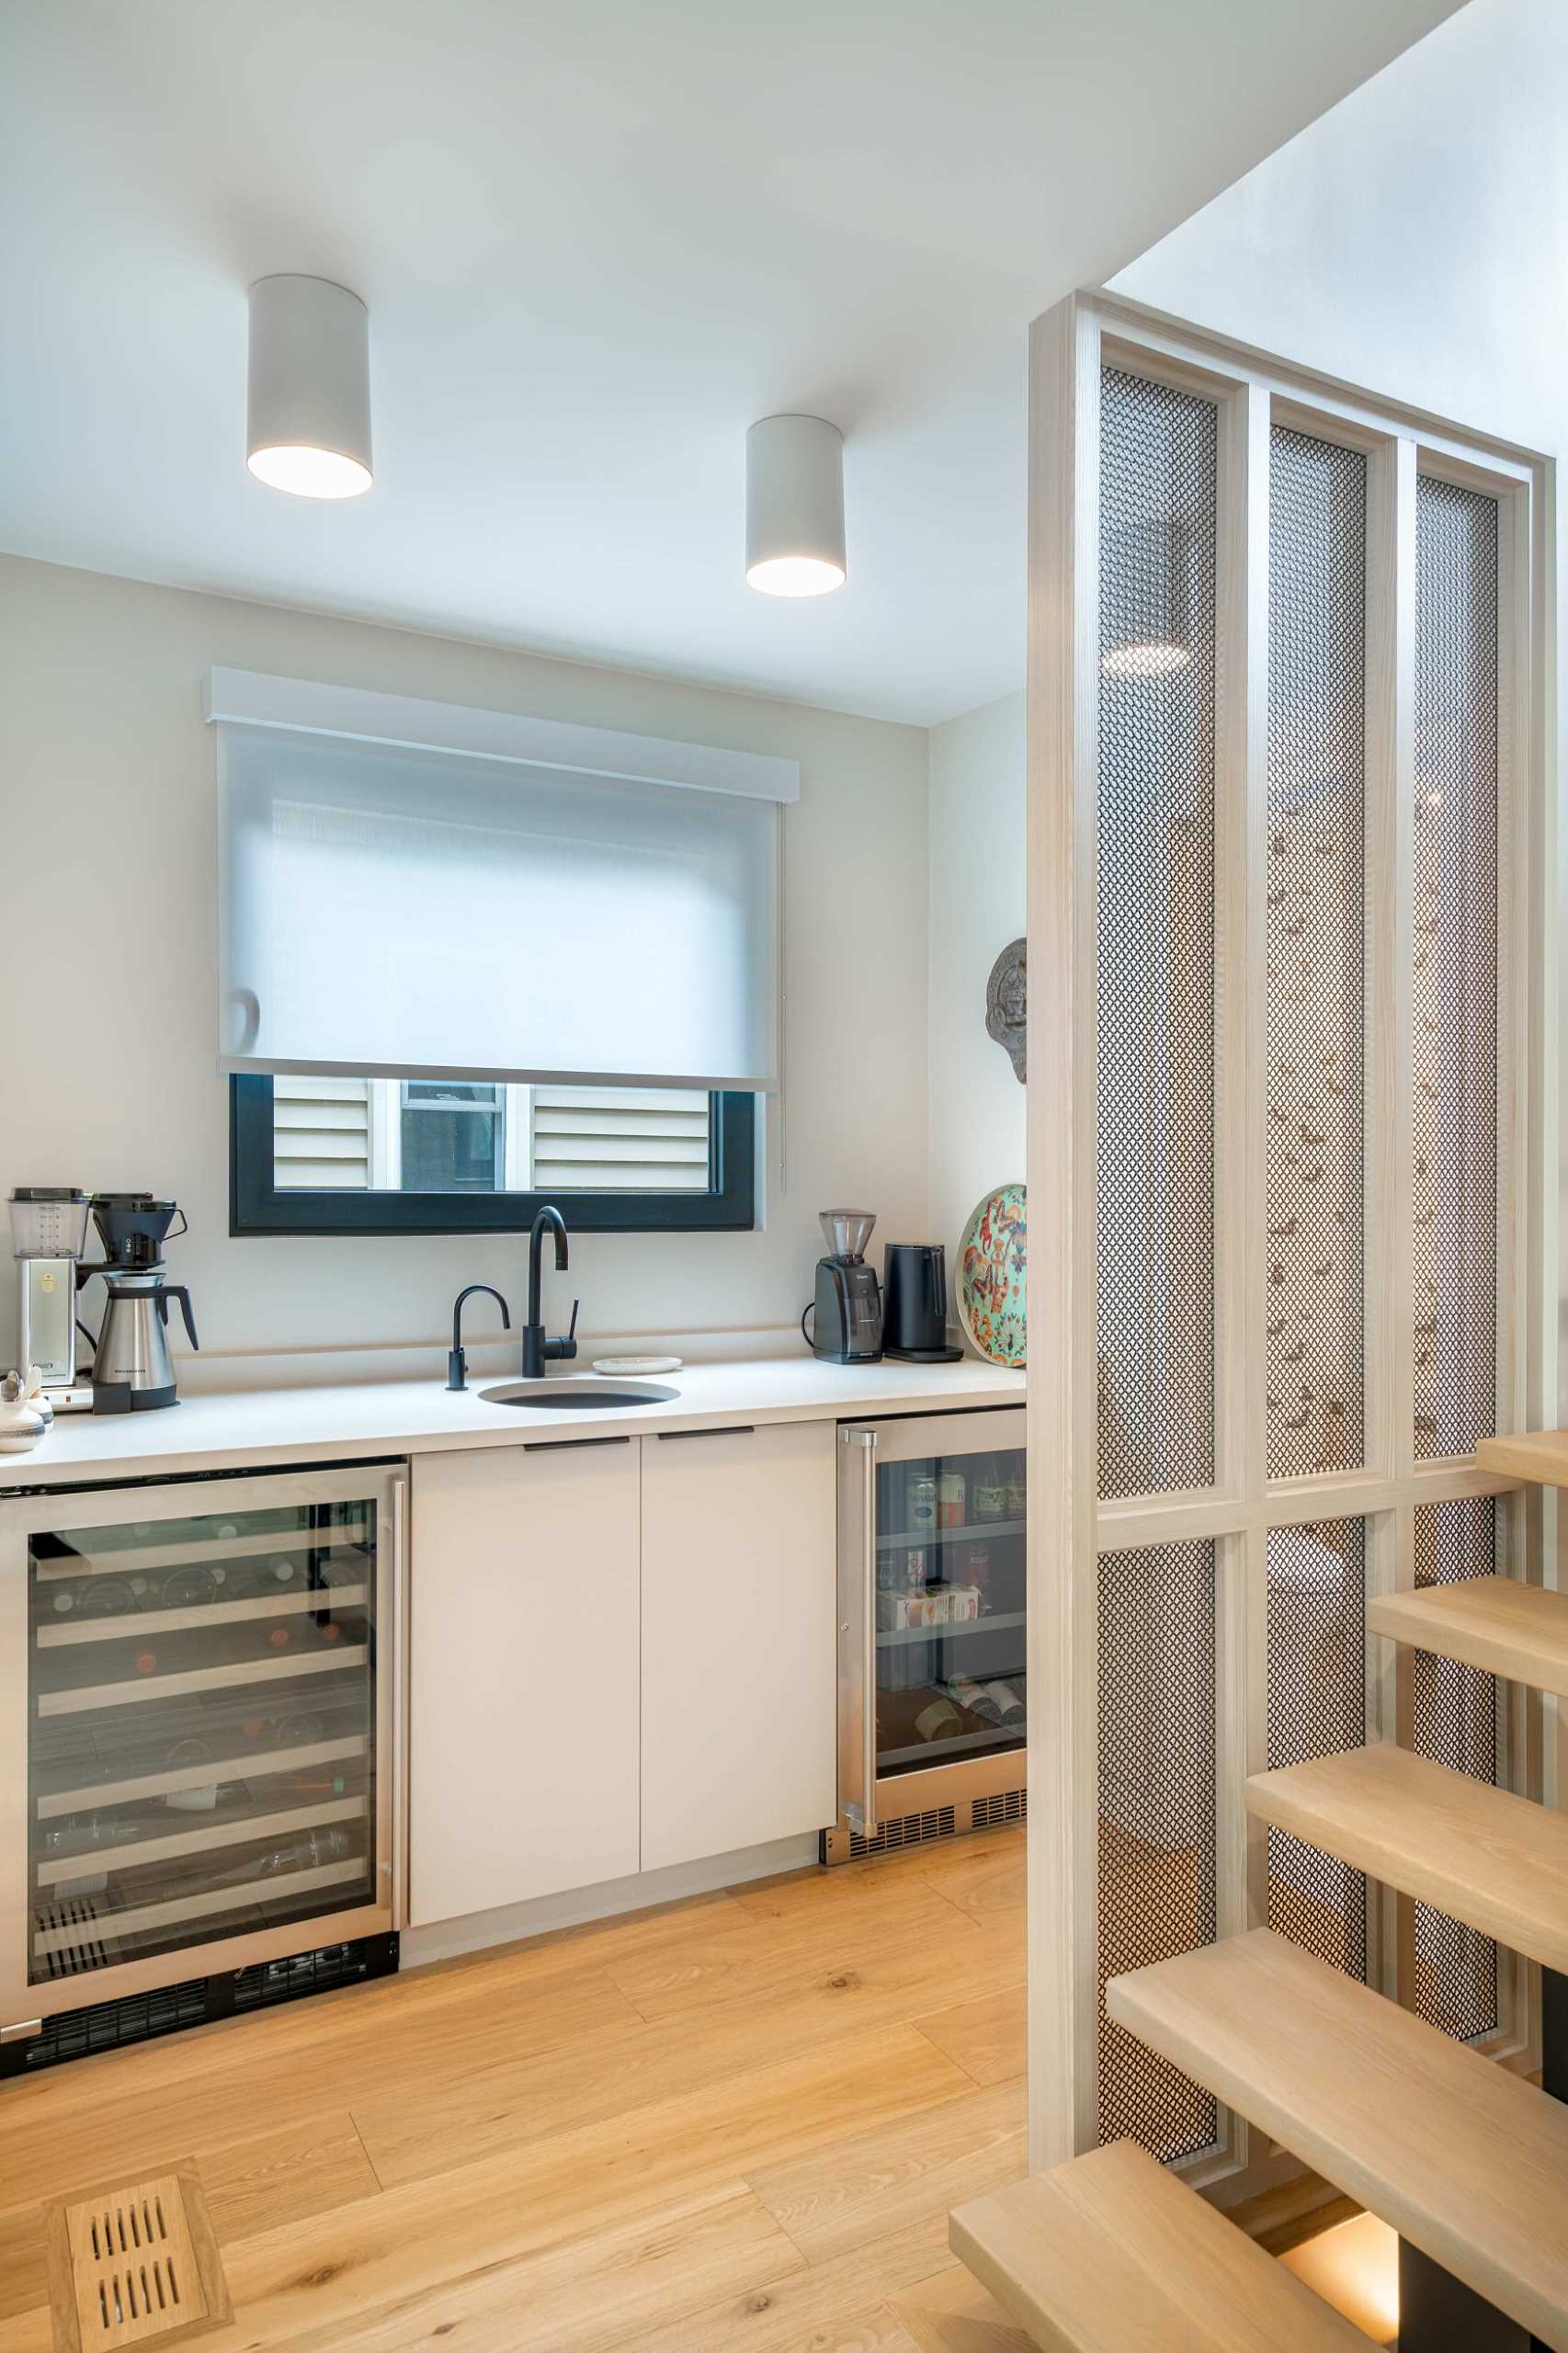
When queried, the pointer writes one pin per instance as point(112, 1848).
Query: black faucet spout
point(457, 1360)
point(538, 1349)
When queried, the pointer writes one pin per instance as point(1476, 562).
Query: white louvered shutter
point(620, 1139)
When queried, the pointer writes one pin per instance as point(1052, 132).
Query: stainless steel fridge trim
point(869, 1641)
point(66, 1508)
point(982, 1777)
point(23, 1515)
point(912, 1439)
point(958, 1779)
point(18, 2000)
point(395, 1853)
point(857, 1638)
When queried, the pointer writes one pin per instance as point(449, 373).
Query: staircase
point(1467, 2162)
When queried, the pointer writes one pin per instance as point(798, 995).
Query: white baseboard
point(445, 1939)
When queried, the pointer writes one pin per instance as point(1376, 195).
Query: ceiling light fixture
point(308, 421)
point(1145, 658)
point(795, 507)
point(1148, 568)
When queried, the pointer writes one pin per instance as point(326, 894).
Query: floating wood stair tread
point(1479, 1853)
point(1461, 2156)
point(1518, 1631)
point(1112, 2253)
point(1540, 1456)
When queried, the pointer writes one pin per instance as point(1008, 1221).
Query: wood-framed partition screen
point(1290, 825)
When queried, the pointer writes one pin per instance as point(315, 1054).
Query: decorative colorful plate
point(994, 1258)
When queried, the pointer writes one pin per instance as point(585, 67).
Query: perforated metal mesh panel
point(1455, 976)
point(1157, 1818)
point(1317, 1705)
point(1157, 939)
point(1455, 1719)
point(1315, 927)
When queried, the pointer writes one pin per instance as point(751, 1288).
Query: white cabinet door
point(739, 1649)
point(523, 1648)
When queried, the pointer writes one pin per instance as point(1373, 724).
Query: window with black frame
point(385, 1155)
point(471, 961)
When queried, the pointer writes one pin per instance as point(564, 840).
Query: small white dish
point(637, 1364)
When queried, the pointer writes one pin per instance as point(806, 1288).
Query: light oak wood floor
point(737, 2123)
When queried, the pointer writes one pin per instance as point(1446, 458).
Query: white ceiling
point(596, 241)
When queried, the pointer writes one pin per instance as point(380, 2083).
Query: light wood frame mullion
point(1390, 1295)
point(1062, 1637)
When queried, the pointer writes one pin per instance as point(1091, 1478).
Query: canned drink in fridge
point(916, 1568)
point(922, 1503)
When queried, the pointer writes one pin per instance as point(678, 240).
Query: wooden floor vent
point(135, 2264)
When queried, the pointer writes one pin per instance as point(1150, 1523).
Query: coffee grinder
point(848, 1304)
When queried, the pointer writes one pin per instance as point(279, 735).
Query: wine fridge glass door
point(932, 1702)
point(950, 1673)
point(207, 1755)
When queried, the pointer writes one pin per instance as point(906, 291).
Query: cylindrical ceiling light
point(308, 423)
point(795, 507)
point(1148, 569)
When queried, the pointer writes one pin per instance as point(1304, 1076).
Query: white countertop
point(257, 1427)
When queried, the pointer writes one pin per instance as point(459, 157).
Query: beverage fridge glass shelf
point(203, 1741)
point(899, 1636)
point(963, 1743)
point(973, 1531)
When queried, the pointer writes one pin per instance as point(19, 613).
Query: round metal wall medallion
point(1007, 1005)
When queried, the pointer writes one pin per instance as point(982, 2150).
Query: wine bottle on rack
point(1011, 1708)
point(964, 1692)
point(938, 1721)
point(264, 1580)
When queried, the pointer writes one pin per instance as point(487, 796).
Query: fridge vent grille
point(141, 2017)
point(906, 1830)
point(991, 1813)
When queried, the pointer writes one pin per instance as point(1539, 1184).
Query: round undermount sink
point(578, 1396)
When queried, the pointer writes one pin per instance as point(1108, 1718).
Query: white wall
point(976, 1123)
point(1415, 240)
point(107, 1037)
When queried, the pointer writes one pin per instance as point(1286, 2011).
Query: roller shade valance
point(388, 907)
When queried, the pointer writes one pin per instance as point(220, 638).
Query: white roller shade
point(393, 910)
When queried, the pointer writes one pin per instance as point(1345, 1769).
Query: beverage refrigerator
point(933, 1696)
point(200, 1749)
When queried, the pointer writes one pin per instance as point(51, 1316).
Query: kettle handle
point(178, 1290)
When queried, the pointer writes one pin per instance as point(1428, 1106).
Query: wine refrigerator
point(933, 1694)
point(200, 1743)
